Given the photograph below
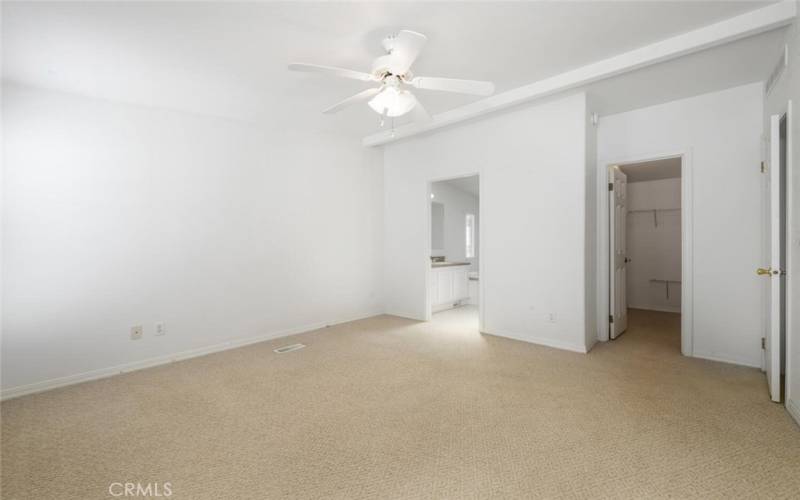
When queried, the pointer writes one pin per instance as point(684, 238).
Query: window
point(470, 233)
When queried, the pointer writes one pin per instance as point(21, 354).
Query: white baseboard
point(794, 410)
point(731, 361)
point(558, 344)
point(46, 385)
point(591, 343)
point(405, 315)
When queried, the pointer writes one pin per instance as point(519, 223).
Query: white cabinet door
point(445, 287)
point(434, 290)
point(449, 285)
point(460, 284)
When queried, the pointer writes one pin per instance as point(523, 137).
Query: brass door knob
point(764, 272)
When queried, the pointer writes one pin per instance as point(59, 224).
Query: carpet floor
point(392, 408)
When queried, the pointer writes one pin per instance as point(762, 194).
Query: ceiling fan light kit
point(393, 71)
point(392, 102)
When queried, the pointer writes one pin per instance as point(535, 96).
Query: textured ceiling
point(229, 59)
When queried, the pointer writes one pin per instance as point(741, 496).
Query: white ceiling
point(668, 168)
point(743, 61)
point(467, 184)
point(229, 59)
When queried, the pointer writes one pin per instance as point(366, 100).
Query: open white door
point(774, 273)
point(618, 252)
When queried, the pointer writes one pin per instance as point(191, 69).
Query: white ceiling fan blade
point(331, 70)
point(419, 113)
point(406, 47)
point(361, 96)
point(473, 87)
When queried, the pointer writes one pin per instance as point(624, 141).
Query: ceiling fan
point(392, 71)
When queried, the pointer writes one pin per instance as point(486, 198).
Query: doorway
point(645, 277)
point(454, 275)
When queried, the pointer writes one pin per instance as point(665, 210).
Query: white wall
point(590, 223)
point(532, 171)
point(788, 88)
point(117, 215)
point(722, 132)
point(654, 250)
point(457, 204)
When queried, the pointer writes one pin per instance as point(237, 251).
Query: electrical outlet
point(552, 317)
point(136, 332)
point(161, 329)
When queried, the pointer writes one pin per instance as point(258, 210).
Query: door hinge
point(763, 167)
point(610, 318)
point(610, 186)
point(763, 343)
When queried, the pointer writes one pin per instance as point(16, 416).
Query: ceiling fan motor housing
point(385, 66)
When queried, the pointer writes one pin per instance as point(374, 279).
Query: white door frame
point(603, 281)
point(481, 246)
point(791, 329)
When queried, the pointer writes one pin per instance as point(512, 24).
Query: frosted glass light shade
point(395, 102)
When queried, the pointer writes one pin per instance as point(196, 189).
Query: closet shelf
point(666, 284)
point(654, 212)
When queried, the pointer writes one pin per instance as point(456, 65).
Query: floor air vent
point(289, 348)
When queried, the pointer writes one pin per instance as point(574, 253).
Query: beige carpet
point(391, 408)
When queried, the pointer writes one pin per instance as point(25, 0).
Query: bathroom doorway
point(454, 277)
